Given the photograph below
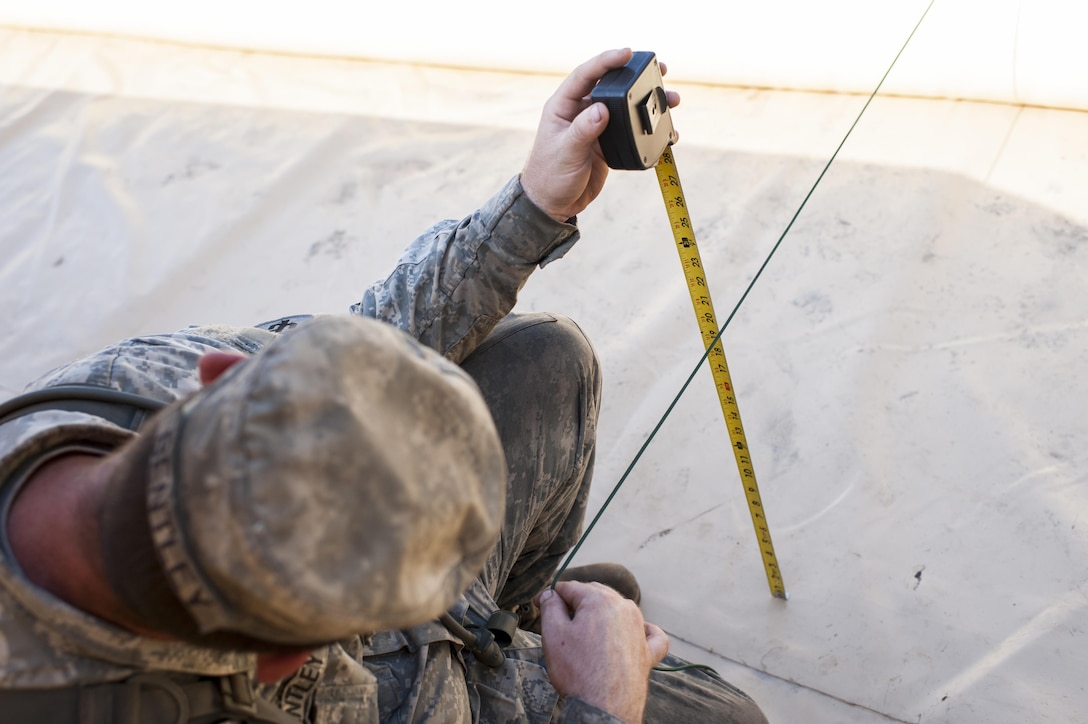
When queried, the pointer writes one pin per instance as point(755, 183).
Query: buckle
point(134, 686)
point(238, 697)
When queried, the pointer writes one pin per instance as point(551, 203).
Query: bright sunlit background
point(996, 50)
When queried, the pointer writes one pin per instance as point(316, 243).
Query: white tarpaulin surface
point(908, 366)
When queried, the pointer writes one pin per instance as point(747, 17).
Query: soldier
point(316, 519)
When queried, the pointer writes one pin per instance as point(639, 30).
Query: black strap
point(123, 409)
point(145, 699)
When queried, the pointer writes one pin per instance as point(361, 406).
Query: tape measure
point(639, 131)
point(672, 193)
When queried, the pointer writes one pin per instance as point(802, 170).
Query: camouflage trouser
point(542, 381)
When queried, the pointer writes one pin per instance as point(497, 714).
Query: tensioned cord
point(721, 330)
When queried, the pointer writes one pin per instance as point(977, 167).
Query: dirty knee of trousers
point(541, 380)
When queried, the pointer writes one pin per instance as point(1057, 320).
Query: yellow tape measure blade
point(676, 205)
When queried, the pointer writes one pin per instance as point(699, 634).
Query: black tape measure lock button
point(639, 123)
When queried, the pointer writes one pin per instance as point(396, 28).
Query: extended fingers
point(672, 96)
point(575, 89)
point(571, 95)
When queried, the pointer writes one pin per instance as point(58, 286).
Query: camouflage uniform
point(540, 377)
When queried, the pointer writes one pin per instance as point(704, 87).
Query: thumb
point(657, 641)
point(552, 607)
point(588, 125)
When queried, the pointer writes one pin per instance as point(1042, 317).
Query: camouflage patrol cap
point(344, 480)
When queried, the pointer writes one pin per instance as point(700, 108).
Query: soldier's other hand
point(598, 647)
point(566, 169)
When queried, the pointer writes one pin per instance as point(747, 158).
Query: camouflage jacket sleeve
point(573, 710)
point(457, 280)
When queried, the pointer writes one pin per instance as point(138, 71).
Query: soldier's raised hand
point(566, 169)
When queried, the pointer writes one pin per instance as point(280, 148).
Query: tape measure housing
point(639, 122)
